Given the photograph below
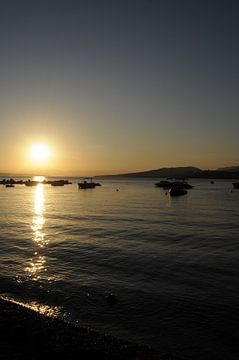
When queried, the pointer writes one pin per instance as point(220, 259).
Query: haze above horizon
point(115, 87)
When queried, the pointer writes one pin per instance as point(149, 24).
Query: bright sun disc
point(40, 153)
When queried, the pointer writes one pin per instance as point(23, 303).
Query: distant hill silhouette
point(229, 168)
point(182, 173)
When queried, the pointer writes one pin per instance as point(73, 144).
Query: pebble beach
point(26, 334)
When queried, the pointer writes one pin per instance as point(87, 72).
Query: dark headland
point(183, 173)
point(26, 334)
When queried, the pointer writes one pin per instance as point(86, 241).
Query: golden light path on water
point(36, 267)
point(38, 264)
point(38, 218)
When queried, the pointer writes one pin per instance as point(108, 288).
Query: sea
point(171, 263)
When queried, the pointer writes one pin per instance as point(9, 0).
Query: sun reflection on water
point(37, 265)
point(38, 218)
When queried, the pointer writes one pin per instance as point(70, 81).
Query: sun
point(40, 153)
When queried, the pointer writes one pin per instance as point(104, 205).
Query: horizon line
point(31, 174)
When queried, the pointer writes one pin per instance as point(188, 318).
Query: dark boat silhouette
point(236, 185)
point(177, 191)
point(31, 183)
point(170, 184)
point(57, 183)
point(163, 184)
point(88, 183)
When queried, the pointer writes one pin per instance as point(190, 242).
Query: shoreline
point(27, 334)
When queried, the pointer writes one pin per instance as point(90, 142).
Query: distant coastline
point(185, 172)
point(181, 173)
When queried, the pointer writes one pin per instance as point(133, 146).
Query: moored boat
point(170, 184)
point(31, 183)
point(57, 183)
point(163, 184)
point(181, 184)
point(177, 191)
point(85, 184)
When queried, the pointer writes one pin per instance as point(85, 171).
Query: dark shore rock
point(26, 334)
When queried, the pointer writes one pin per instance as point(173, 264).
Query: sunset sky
point(118, 86)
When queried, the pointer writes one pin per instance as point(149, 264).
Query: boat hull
point(177, 192)
point(86, 185)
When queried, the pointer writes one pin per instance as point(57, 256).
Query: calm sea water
point(172, 262)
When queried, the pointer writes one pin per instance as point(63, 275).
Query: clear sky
point(116, 86)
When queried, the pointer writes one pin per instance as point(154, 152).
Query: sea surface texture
point(172, 263)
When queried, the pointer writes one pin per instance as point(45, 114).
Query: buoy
point(111, 299)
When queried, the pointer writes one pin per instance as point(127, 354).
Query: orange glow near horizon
point(53, 155)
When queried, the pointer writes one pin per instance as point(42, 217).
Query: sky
point(118, 86)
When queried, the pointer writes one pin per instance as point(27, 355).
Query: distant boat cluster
point(87, 183)
point(175, 188)
point(11, 182)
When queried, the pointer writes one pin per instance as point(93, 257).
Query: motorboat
point(181, 184)
point(31, 183)
point(9, 185)
point(57, 183)
point(177, 191)
point(88, 183)
point(163, 184)
point(170, 184)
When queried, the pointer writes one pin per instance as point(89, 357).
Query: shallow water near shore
point(172, 262)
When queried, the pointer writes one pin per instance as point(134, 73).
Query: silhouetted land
point(183, 173)
point(26, 334)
